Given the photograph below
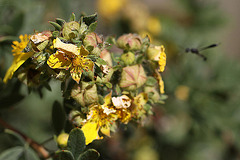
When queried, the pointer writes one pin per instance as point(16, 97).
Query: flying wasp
point(197, 51)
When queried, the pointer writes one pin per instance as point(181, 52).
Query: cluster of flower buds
point(100, 87)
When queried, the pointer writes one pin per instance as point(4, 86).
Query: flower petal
point(83, 51)
point(90, 131)
point(76, 73)
point(17, 62)
point(66, 48)
point(58, 60)
point(105, 131)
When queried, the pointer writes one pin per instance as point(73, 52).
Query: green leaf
point(140, 58)
point(58, 117)
point(151, 81)
point(7, 39)
point(93, 26)
point(90, 19)
point(60, 21)
point(65, 155)
point(72, 17)
point(163, 97)
point(100, 99)
point(108, 84)
point(101, 61)
point(30, 154)
point(55, 25)
point(12, 153)
point(90, 154)
point(76, 142)
point(118, 90)
point(18, 136)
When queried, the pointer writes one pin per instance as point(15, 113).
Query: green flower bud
point(155, 95)
point(85, 94)
point(62, 140)
point(92, 40)
point(132, 77)
point(128, 58)
point(129, 42)
point(70, 30)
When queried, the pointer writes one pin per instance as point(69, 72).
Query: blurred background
point(201, 117)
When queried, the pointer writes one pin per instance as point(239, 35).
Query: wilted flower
point(70, 57)
point(40, 37)
point(121, 102)
point(19, 56)
point(129, 42)
point(132, 77)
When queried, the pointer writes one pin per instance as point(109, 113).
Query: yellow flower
point(162, 59)
point(70, 57)
point(182, 92)
point(19, 56)
point(160, 83)
point(100, 118)
point(109, 8)
point(154, 26)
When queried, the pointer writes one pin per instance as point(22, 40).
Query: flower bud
point(155, 95)
point(62, 140)
point(128, 58)
point(106, 56)
point(70, 30)
point(92, 39)
point(132, 77)
point(129, 42)
point(85, 94)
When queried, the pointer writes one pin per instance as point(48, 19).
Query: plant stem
point(42, 152)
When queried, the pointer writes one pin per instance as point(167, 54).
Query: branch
point(42, 152)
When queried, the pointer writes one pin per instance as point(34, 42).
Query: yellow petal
point(66, 48)
point(90, 131)
point(105, 131)
point(160, 83)
point(17, 62)
point(76, 73)
point(107, 99)
point(58, 60)
point(83, 51)
point(162, 59)
point(141, 99)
